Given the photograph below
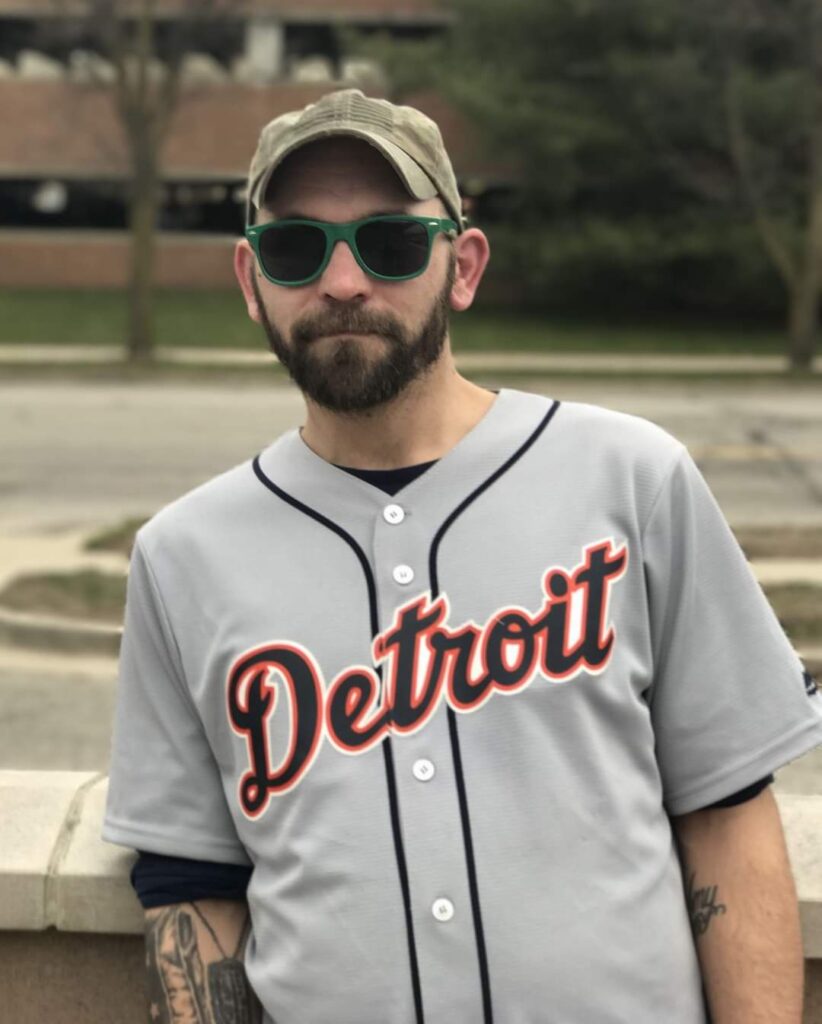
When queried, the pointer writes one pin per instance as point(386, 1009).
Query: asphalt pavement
point(81, 454)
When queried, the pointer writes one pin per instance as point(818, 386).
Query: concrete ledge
point(92, 891)
point(55, 870)
point(34, 810)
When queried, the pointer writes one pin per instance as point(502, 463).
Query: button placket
point(391, 543)
point(421, 765)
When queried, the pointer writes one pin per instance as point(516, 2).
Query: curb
point(491, 361)
point(57, 634)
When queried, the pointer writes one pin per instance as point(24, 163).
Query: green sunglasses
point(391, 247)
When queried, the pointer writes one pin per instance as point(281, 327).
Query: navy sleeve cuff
point(159, 880)
point(744, 794)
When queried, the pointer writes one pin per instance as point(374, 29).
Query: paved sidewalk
point(517, 362)
point(788, 570)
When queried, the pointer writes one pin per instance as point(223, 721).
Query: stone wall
point(100, 259)
point(410, 11)
point(54, 129)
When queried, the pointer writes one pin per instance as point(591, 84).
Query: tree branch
point(741, 155)
point(814, 197)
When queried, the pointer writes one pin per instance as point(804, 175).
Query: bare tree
point(752, 73)
point(780, 172)
point(146, 89)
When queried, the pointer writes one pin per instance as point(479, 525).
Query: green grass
point(202, 318)
point(489, 330)
point(217, 319)
point(118, 539)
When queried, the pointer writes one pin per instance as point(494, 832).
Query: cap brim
point(416, 181)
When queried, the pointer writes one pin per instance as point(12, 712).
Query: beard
point(346, 379)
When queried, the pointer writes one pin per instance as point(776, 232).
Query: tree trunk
point(804, 313)
point(804, 319)
point(144, 188)
point(143, 216)
point(805, 288)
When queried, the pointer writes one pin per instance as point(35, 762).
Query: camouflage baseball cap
point(409, 141)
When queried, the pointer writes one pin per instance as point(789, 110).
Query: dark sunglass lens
point(393, 248)
point(292, 252)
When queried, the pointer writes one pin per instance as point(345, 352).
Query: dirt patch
point(781, 542)
point(86, 594)
point(798, 607)
point(119, 539)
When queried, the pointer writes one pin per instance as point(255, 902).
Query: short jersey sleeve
point(165, 792)
point(729, 700)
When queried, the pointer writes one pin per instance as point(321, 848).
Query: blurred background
point(637, 160)
point(649, 173)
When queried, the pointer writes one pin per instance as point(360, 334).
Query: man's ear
point(245, 267)
point(472, 251)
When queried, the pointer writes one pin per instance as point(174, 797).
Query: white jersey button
point(423, 770)
point(443, 909)
point(393, 514)
point(403, 574)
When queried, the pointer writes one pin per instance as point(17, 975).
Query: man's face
point(349, 341)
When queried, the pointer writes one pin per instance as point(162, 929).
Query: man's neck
point(422, 424)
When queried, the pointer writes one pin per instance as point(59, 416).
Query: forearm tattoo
point(184, 990)
point(702, 906)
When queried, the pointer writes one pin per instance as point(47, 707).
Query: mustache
point(353, 320)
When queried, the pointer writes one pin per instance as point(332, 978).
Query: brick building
point(63, 167)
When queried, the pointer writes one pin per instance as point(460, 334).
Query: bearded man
point(452, 706)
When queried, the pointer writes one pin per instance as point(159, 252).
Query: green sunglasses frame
point(347, 233)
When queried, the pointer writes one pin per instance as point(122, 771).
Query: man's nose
point(344, 279)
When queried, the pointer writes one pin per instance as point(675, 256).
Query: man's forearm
point(194, 960)
point(744, 914)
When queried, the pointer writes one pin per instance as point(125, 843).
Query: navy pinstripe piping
point(482, 957)
point(391, 782)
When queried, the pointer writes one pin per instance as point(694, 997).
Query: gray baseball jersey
point(447, 729)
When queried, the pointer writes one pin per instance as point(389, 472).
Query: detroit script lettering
point(420, 661)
